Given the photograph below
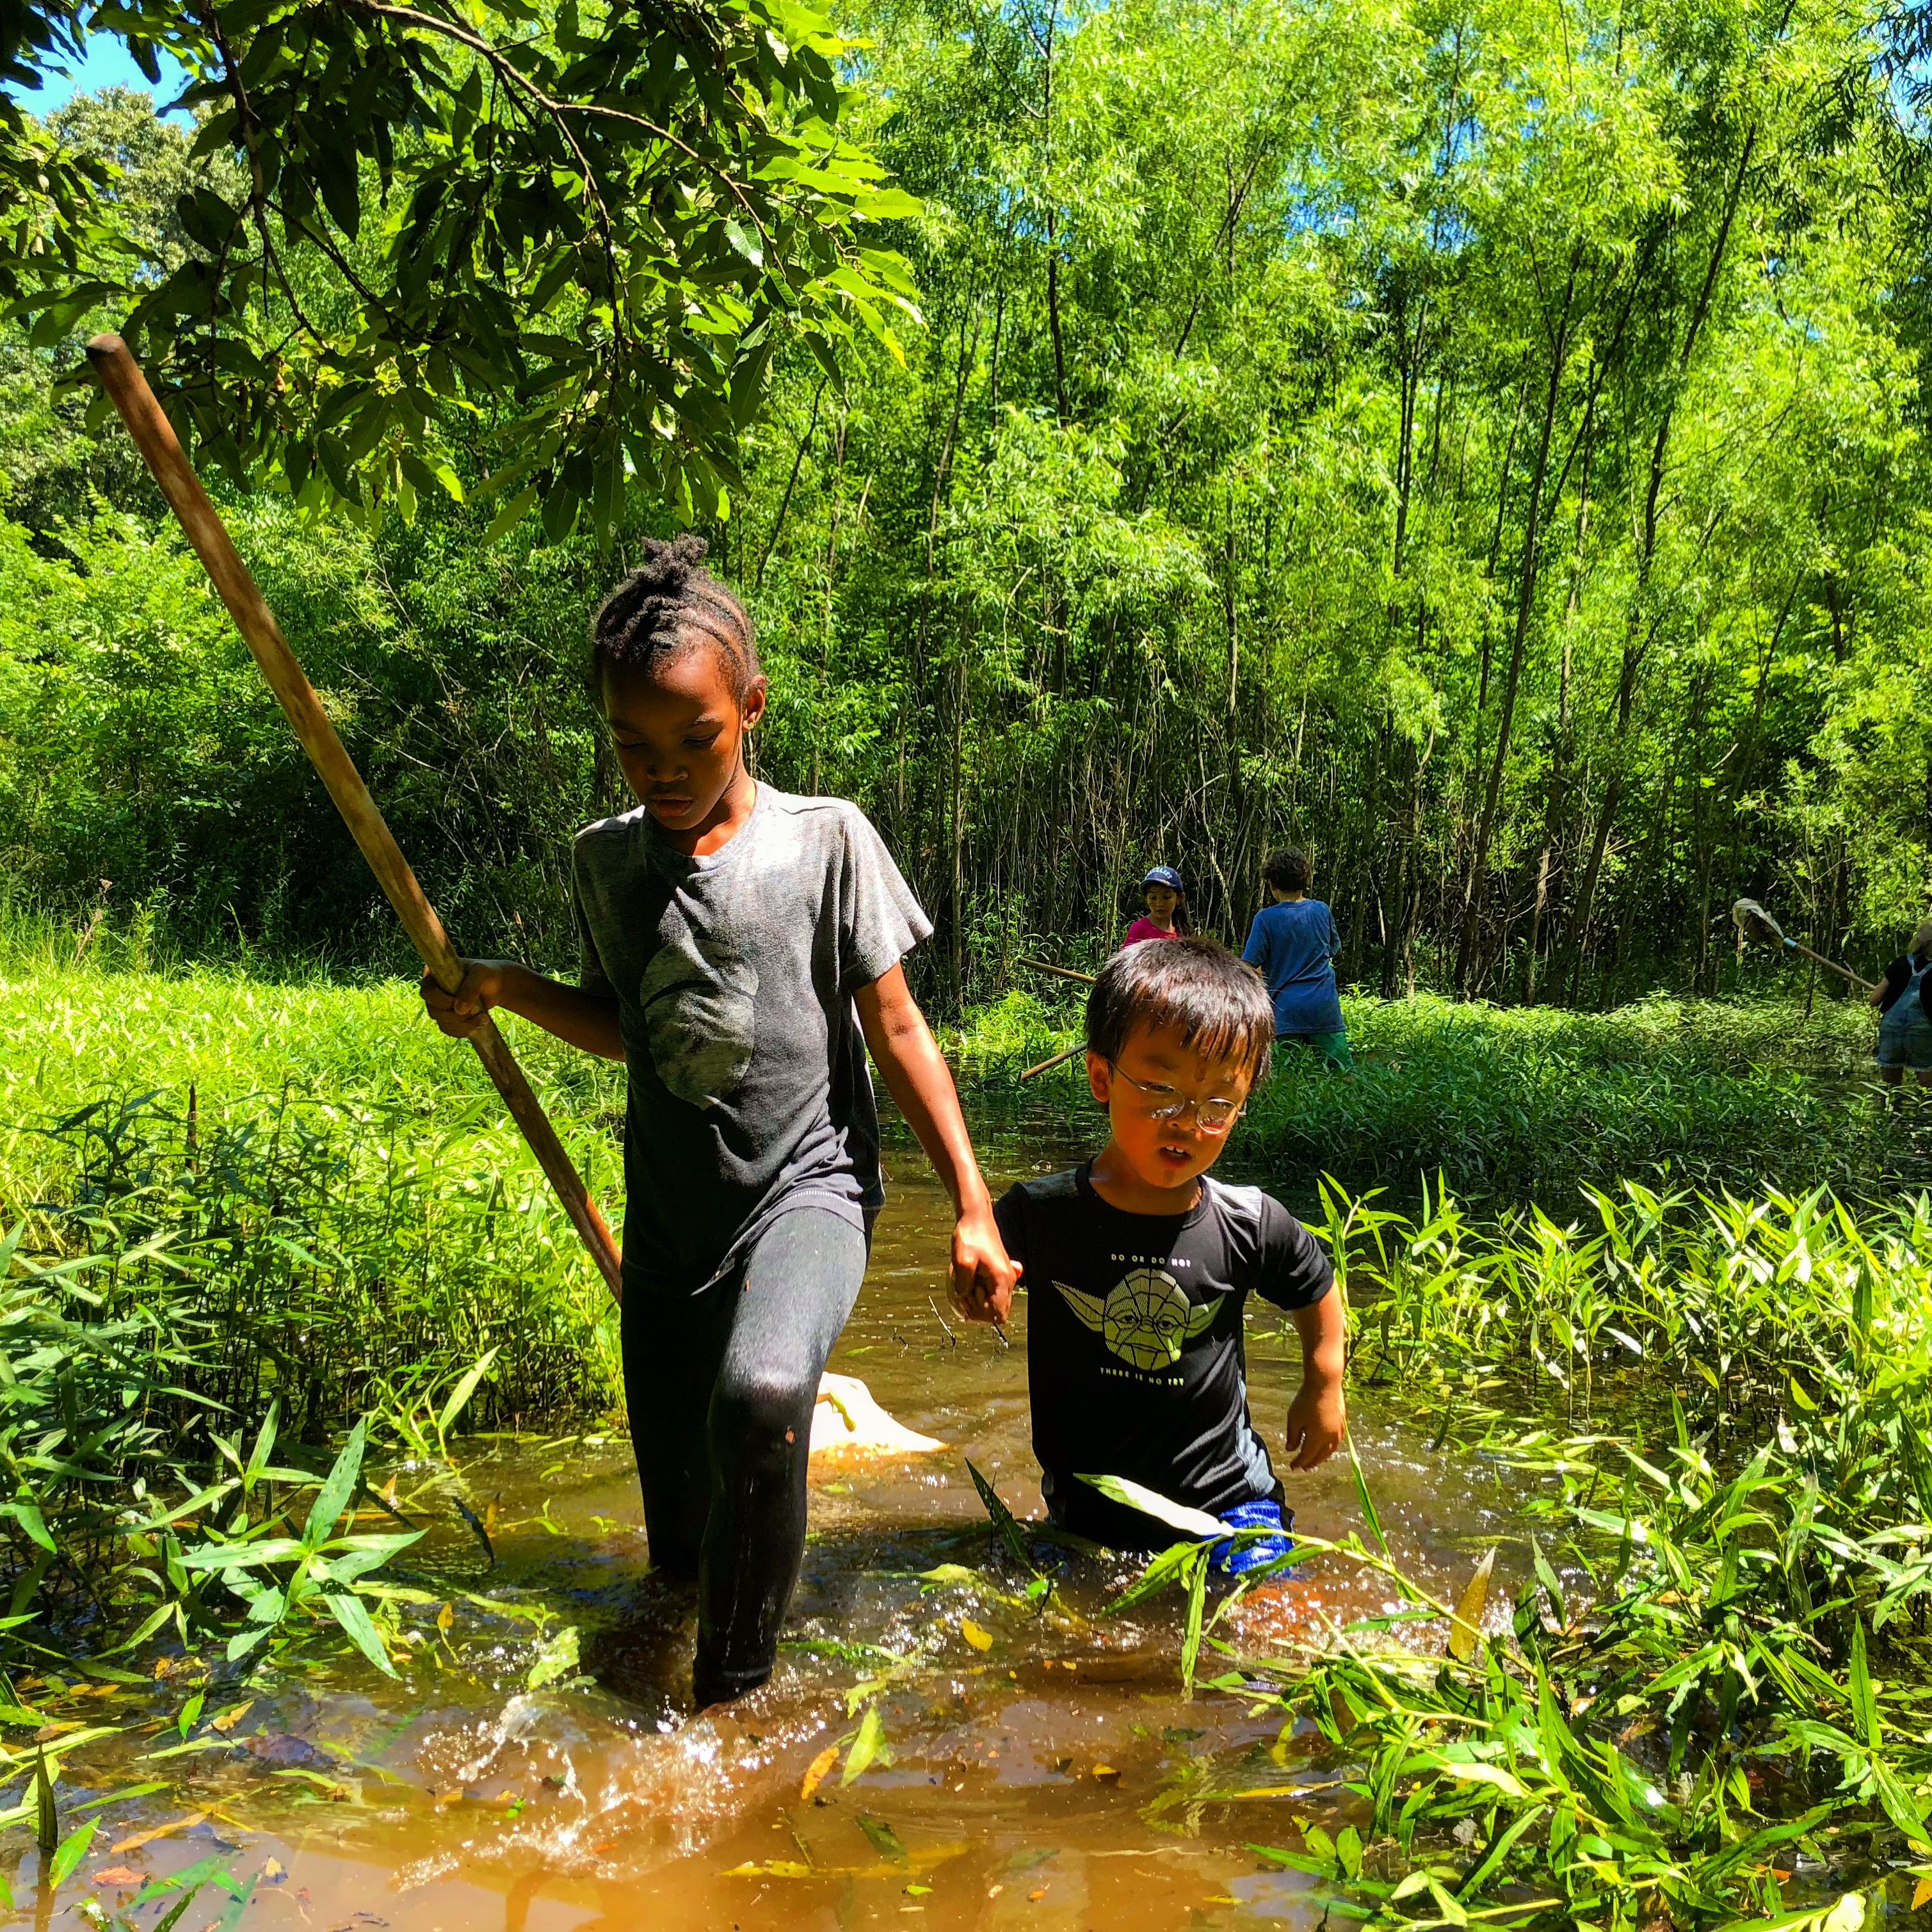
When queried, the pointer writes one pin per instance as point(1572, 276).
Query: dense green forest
point(1487, 448)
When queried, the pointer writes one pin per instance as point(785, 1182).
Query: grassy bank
point(317, 1164)
point(1516, 1104)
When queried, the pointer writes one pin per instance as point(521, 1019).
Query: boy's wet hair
point(1220, 1003)
point(669, 604)
point(1286, 870)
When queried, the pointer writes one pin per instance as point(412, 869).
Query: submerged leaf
point(883, 1840)
point(817, 1772)
point(557, 1658)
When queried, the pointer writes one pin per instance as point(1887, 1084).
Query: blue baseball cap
point(1163, 875)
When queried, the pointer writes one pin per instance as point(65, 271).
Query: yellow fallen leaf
point(770, 1868)
point(229, 1719)
point(1465, 1626)
point(1104, 1771)
point(816, 1771)
point(445, 1617)
point(1921, 1892)
point(141, 1838)
point(978, 1638)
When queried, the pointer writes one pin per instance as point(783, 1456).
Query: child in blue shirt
point(1292, 944)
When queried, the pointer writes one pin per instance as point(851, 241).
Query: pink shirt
point(1144, 928)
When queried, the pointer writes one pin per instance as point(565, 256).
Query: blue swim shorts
point(1237, 1559)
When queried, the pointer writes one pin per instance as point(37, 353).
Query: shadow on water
point(1036, 1765)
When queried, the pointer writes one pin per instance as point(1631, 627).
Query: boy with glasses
point(1138, 1267)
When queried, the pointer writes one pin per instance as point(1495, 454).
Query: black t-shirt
point(1134, 1353)
point(1897, 977)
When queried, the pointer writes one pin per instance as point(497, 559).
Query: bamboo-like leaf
point(1151, 1502)
point(1362, 1495)
point(337, 1488)
point(1003, 1523)
point(265, 1441)
point(1865, 1706)
point(173, 1917)
point(459, 1400)
point(865, 1746)
point(72, 1849)
point(347, 1610)
point(1197, 1598)
point(46, 1819)
point(1465, 1626)
point(1900, 1806)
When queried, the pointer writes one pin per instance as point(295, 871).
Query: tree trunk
point(1474, 900)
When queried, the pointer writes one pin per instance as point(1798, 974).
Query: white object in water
point(847, 1418)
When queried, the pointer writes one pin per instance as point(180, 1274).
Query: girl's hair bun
point(669, 603)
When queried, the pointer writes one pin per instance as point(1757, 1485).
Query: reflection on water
point(1037, 1768)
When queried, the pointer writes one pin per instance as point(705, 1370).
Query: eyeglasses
point(1165, 1103)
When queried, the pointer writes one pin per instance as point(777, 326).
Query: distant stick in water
point(1058, 972)
point(1057, 1059)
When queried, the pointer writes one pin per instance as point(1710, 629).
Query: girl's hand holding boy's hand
point(1316, 1418)
point(461, 1014)
point(983, 1274)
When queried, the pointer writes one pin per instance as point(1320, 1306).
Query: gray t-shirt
point(734, 976)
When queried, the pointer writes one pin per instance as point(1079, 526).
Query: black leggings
point(720, 1386)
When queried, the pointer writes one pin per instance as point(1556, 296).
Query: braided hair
point(669, 604)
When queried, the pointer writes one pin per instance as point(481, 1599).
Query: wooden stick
point(1058, 972)
point(121, 377)
point(1830, 965)
point(1055, 1061)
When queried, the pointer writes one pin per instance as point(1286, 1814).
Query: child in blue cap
point(1166, 910)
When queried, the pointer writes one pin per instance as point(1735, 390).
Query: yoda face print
point(1145, 1319)
point(698, 998)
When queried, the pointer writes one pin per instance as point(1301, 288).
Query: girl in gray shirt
point(742, 951)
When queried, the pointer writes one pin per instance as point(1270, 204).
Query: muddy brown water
point(1042, 1770)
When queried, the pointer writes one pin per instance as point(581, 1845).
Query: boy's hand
point(983, 1274)
point(460, 1014)
point(1316, 1418)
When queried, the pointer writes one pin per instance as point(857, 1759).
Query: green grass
point(1707, 1705)
point(349, 1176)
point(1518, 1104)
